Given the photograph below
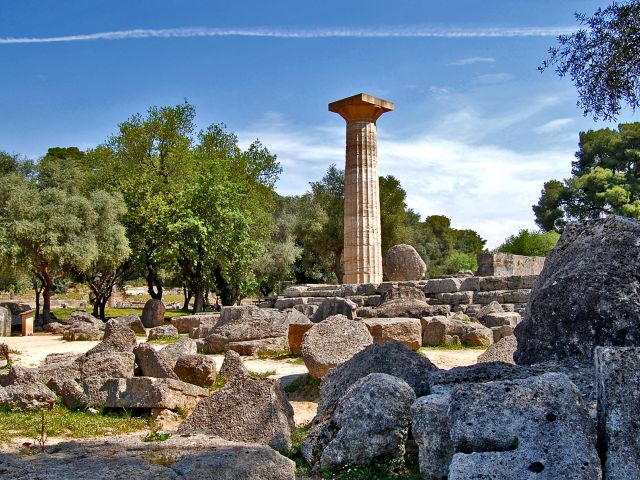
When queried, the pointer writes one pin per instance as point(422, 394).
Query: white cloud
point(470, 61)
point(294, 33)
point(554, 126)
point(471, 179)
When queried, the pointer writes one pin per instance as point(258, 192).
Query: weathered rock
point(308, 310)
point(510, 319)
point(81, 331)
point(172, 352)
point(402, 262)
point(502, 351)
point(150, 392)
point(370, 423)
point(153, 313)
point(479, 337)
point(298, 326)
point(79, 316)
point(442, 285)
point(391, 358)
point(439, 330)
point(403, 301)
point(246, 408)
point(513, 429)
point(232, 366)
point(334, 306)
point(587, 295)
point(407, 331)
point(151, 362)
point(493, 307)
point(430, 429)
point(23, 391)
point(508, 264)
point(243, 323)
point(501, 332)
point(55, 328)
point(131, 321)
point(196, 369)
point(260, 346)
point(107, 364)
point(188, 322)
point(72, 394)
point(59, 366)
point(332, 342)
point(192, 457)
point(5, 322)
point(168, 331)
point(618, 394)
point(95, 390)
point(117, 338)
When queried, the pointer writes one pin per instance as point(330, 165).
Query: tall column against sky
point(362, 241)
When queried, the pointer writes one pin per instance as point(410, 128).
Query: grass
point(266, 374)
point(305, 386)
point(165, 340)
point(395, 469)
point(164, 459)
point(218, 383)
point(279, 355)
point(61, 421)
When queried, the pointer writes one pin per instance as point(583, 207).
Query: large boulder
point(188, 457)
point(587, 295)
point(369, 424)
point(391, 358)
point(151, 362)
point(334, 306)
point(513, 429)
point(244, 323)
point(117, 338)
point(402, 262)
point(618, 387)
point(187, 323)
point(502, 351)
point(331, 342)
point(149, 392)
point(403, 301)
point(247, 408)
point(153, 313)
point(172, 352)
point(163, 331)
point(21, 390)
point(407, 331)
point(430, 429)
point(196, 369)
point(81, 331)
point(440, 330)
point(131, 321)
point(298, 326)
point(107, 364)
point(71, 393)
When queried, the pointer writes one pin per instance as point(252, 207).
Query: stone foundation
point(467, 294)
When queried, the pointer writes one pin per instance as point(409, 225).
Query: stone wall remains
point(507, 264)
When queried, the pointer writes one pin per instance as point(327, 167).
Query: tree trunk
point(224, 289)
point(46, 298)
point(103, 303)
point(187, 293)
point(38, 286)
point(154, 284)
point(96, 308)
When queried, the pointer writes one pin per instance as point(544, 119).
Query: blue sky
point(476, 130)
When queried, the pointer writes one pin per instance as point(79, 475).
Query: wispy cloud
point(473, 179)
point(554, 126)
point(301, 33)
point(470, 61)
point(493, 78)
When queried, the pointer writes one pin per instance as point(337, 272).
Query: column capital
point(361, 107)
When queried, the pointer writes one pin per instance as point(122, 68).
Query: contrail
point(395, 32)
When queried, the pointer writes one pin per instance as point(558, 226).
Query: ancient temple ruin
point(362, 237)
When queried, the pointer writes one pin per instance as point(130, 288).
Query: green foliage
point(394, 216)
point(395, 469)
point(530, 243)
point(266, 374)
point(305, 386)
point(605, 180)
point(154, 434)
point(602, 58)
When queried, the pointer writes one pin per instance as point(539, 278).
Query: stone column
point(362, 241)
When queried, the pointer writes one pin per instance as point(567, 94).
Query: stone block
point(407, 331)
point(459, 298)
point(507, 264)
point(442, 285)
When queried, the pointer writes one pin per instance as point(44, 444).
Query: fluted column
point(362, 240)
